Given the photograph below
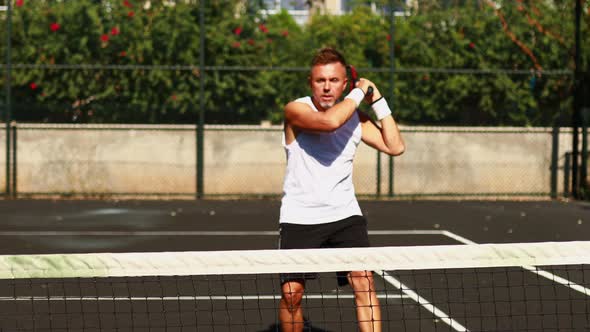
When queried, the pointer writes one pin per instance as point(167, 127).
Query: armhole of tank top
point(284, 141)
point(360, 123)
point(303, 100)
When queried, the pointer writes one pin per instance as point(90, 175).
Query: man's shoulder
point(305, 100)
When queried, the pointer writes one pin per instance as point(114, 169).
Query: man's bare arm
point(303, 117)
point(386, 137)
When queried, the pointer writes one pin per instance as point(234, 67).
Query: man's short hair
point(326, 56)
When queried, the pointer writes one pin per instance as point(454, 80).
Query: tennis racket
point(354, 77)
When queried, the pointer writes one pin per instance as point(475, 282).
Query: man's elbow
point(330, 125)
point(397, 150)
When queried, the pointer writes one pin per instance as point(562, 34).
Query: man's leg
point(290, 311)
point(367, 305)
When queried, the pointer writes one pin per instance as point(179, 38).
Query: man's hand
point(364, 84)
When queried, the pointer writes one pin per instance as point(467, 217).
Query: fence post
point(392, 84)
point(8, 88)
point(14, 159)
point(378, 173)
point(566, 174)
point(577, 104)
point(201, 124)
point(391, 172)
point(584, 164)
point(554, 159)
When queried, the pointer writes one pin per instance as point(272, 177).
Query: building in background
point(301, 9)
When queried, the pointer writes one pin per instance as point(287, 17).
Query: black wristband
point(377, 100)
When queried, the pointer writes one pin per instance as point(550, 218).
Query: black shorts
point(347, 233)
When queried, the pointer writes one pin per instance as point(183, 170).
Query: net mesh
point(490, 287)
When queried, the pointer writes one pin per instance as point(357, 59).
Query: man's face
point(328, 83)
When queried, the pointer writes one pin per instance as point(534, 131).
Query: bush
point(124, 62)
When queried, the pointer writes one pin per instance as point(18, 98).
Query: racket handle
point(370, 91)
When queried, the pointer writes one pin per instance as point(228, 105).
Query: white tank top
point(318, 184)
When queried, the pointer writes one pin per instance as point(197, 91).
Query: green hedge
point(466, 64)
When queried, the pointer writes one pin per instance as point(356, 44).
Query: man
point(319, 208)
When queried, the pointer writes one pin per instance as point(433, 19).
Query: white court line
point(444, 316)
point(194, 233)
point(189, 298)
point(423, 302)
point(542, 273)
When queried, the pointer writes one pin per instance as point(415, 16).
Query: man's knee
point(292, 295)
point(362, 280)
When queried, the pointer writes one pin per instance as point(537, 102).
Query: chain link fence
point(159, 161)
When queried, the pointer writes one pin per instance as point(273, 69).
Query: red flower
point(263, 28)
point(33, 86)
point(54, 26)
point(127, 4)
point(251, 41)
point(20, 3)
point(123, 53)
point(104, 38)
point(173, 97)
point(115, 31)
point(472, 45)
point(236, 44)
point(238, 31)
point(388, 37)
point(130, 14)
point(269, 40)
point(285, 33)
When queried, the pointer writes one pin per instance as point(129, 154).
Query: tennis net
point(489, 287)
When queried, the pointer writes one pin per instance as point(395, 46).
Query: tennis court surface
point(212, 266)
